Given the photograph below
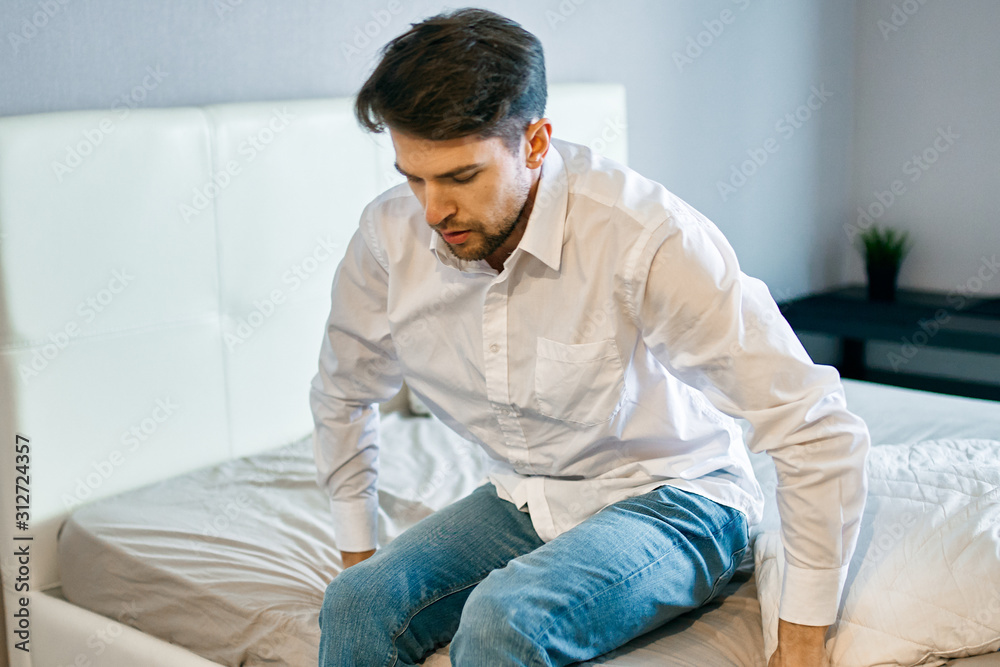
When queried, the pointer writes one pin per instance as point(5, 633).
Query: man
point(594, 334)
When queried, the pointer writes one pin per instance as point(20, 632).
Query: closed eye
point(454, 179)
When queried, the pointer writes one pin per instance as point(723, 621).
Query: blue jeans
point(476, 574)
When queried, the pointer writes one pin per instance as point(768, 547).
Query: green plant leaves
point(884, 246)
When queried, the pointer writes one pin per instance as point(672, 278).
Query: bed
point(231, 560)
point(165, 280)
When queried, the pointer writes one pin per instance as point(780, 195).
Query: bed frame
point(165, 279)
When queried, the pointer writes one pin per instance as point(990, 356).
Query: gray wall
point(691, 122)
point(711, 84)
point(927, 70)
point(919, 73)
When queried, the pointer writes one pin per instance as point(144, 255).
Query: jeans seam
point(394, 655)
point(728, 573)
point(737, 557)
point(619, 583)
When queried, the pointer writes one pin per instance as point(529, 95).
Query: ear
point(539, 136)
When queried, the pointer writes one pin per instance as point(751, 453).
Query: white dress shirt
point(610, 356)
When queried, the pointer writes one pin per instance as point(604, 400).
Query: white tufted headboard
point(164, 282)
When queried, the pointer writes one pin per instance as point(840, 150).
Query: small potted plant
point(884, 250)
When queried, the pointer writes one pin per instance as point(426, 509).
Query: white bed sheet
point(237, 573)
point(898, 416)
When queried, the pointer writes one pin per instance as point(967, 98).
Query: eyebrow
point(447, 174)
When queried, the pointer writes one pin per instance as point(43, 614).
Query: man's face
point(472, 190)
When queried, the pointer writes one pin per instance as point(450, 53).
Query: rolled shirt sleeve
point(357, 369)
point(720, 331)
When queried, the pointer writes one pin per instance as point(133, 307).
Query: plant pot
point(882, 281)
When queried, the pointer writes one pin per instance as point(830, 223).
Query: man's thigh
point(624, 571)
point(407, 599)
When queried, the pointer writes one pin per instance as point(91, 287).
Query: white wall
point(689, 123)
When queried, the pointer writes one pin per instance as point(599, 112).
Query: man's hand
point(350, 558)
point(800, 646)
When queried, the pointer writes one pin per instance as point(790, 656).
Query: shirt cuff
point(811, 597)
point(355, 523)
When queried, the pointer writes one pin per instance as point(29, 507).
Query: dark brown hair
point(456, 74)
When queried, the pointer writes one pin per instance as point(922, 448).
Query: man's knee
point(350, 598)
point(496, 626)
point(355, 618)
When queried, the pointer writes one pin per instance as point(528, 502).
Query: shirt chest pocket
point(582, 384)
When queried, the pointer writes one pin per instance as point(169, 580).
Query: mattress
point(232, 561)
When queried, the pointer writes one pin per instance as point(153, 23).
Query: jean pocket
point(582, 384)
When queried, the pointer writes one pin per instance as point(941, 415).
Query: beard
point(482, 243)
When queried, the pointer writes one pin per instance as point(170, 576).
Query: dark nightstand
point(914, 321)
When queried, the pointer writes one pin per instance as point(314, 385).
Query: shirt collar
point(543, 235)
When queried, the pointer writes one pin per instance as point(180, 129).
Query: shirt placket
point(496, 370)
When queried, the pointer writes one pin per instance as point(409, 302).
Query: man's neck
point(501, 254)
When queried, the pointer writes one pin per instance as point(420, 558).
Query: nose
point(437, 206)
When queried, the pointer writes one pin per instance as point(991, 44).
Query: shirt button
point(494, 348)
